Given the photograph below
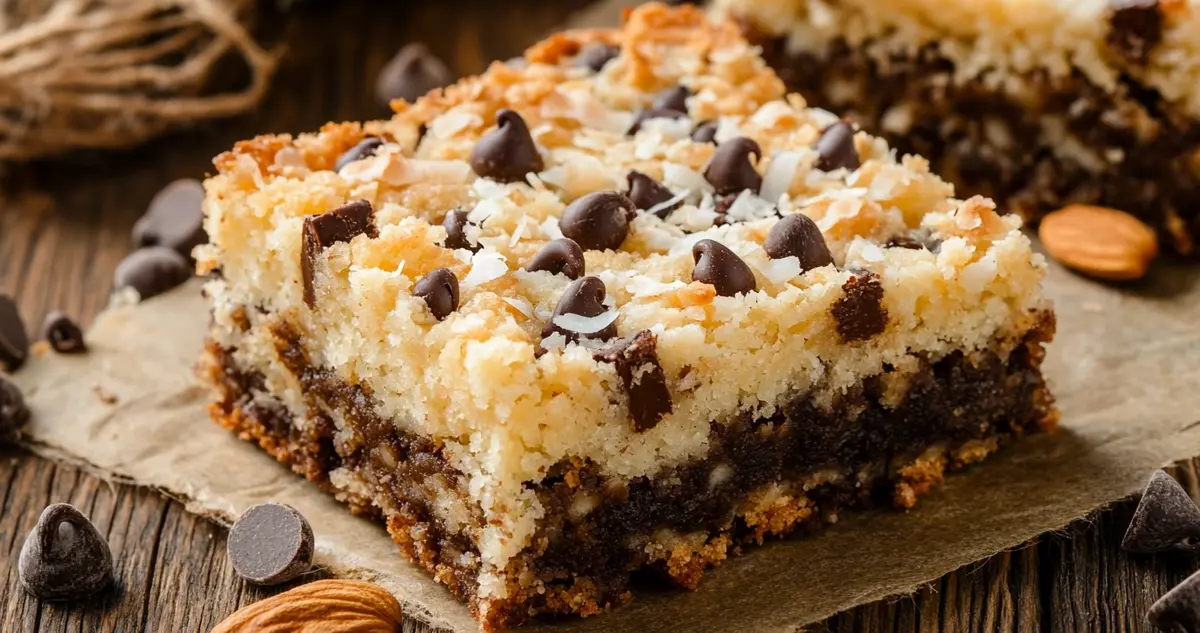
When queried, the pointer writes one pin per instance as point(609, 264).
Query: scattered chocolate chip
point(64, 557)
point(1166, 518)
point(322, 231)
point(13, 412)
point(14, 339)
point(730, 169)
point(647, 193)
point(584, 297)
point(859, 313)
point(673, 98)
point(1178, 611)
point(705, 132)
point(271, 543)
point(798, 235)
point(508, 152)
point(63, 333)
point(721, 267)
point(599, 220)
point(905, 241)
point(152, 271)
point(561, 256)
point(1135, 27)
point(595, 55)
point(363, 149)
point(413, 72)
point(175, 218)
point(652, 113)
point(439, 289)
point(835, 148)
point(456, 224)
point(642, 376)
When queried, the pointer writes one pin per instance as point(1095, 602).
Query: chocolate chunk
point(599, 220)
point(835, 148)
point(508, 152)
point(64, 557)
point(652, 113)
point(14, 339)
point(152, 271)
point(456, 224)
point(595, 55)
point(560, 257)
point(13, 412)
point(673, 98)
point(271, 543)
point(1178, 611)
point(322, 231)
point(584, 297)
point(721, 267)
point(63, 333)
point(705, 132)
point(1165, 519)
point(642, 376)
point(1135, 27)
point(439, 289)
point(647, 193)
point(905, 241)
point(363, 149)
point(859, 313)
point(175, 218)
point(413, 72)
point(730, 169)
point(797, 235)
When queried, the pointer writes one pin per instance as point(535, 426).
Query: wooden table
point(65, 224)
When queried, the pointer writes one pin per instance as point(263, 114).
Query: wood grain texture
point(65, 224)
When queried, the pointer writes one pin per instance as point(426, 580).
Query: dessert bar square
point(622, 304)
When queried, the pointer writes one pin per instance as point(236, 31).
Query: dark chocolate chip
point(1135, 28)
point(13, 412)
point(835, 148)
point(413, 72)
point(721, 267)
point(64, 557)
point(439, 289)
point(271, 543)
point(363, 149)
point(175, 218)
point(705, 132)
point(647, 193)
point(730, 170)
point(1178, 611)
point(859, 313)
point(456, 224)
point(595, 55)
point(508, 152)
point(14, 339)
point(152, 271)
point(599, 220)
point(561, 256)
point(673, 98)
point(584, 297)
point(1166, 518)
point(322, 231)
point(642, 376)
point(797, 235)
point(905, 241)
point(652, 113)
point(63, 333)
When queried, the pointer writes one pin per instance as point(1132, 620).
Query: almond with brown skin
point(1098, 241)
point(324, 606)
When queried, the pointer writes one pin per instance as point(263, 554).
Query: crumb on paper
point(103, 395)
point(39, 349)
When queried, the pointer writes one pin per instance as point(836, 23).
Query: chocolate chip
point(175, 218)
point(721, 267)
point(362, 149)
point(63, 333)
point(905, 241)
point(64, 557)
point(152, 271)
point(584, 297)
point(561, 256)
point(673, 98)
point(413, 72)
point(797, 235)
point(652, 113)
point(1166, 518)
point(835, 148)
point(508, 152)
point(322, 231)
point(271, 543)
point(456, 224)
point(647, 193)
point(599, 220)
point(859, 313)
point(1178, 611)
point(705, 132)
point(14, 339)
point(642, 376)
point(730, 169)
point(439, 289)
point(13, 412)
point(595, 55)
point(1135, 27)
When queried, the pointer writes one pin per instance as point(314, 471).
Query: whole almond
point(324, 606)
point(1098, 241)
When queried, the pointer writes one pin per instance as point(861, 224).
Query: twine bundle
point(114, 73)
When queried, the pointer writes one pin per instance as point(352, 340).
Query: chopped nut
point(1100, 242)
